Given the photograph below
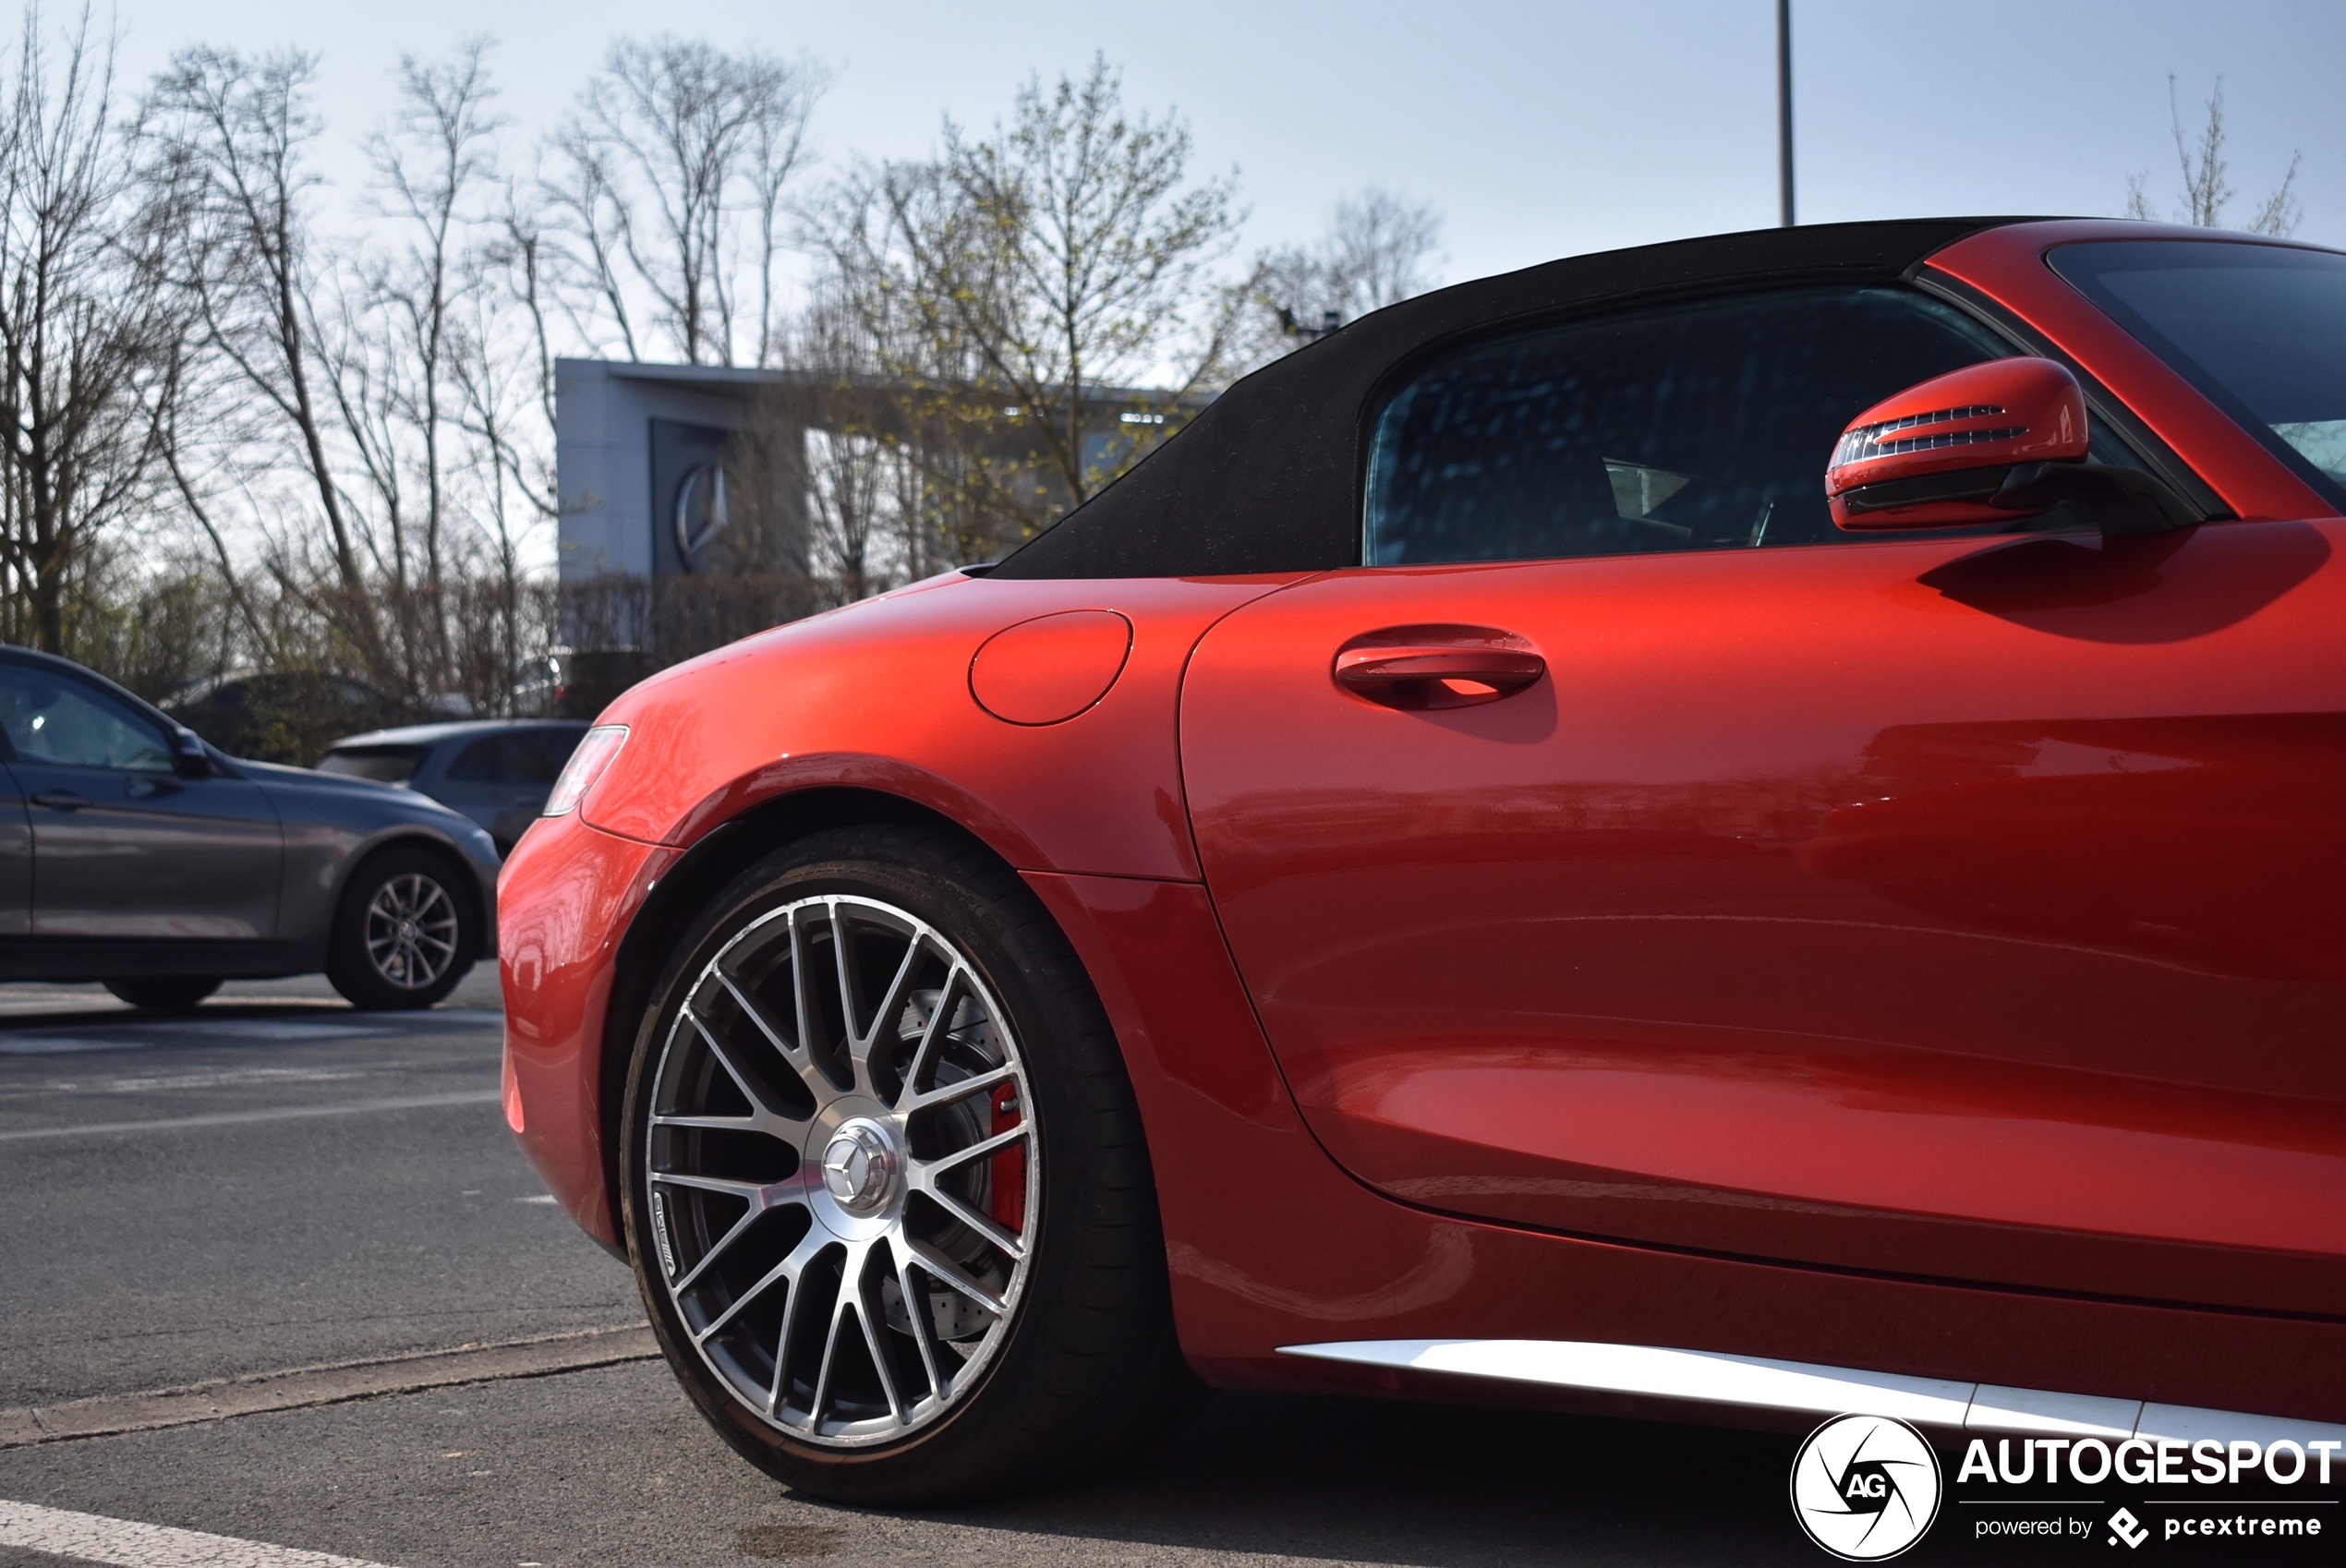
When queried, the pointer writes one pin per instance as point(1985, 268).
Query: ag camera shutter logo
point(1865, 1487)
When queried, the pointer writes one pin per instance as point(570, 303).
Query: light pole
point(1783, 112)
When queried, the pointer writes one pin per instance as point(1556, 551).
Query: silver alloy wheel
point(411, 931)
point(842, 1174)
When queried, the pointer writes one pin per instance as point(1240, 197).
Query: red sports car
point(1755, 825)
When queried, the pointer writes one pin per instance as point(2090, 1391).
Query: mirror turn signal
point(1988, 443)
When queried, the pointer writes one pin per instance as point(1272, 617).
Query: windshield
point(2260, 329)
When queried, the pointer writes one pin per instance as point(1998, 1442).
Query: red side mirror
point(1941, 453)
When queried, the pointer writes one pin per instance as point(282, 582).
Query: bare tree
point(431, 165)
point(509, 424)
point(2206, 188)
point(666, 194)
point(520, 257)
point(228, 138)
point(1023, 280)
point(86, 327)
point(1379, 248)
point(393, 377)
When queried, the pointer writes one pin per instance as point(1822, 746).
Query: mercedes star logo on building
point(701, 513)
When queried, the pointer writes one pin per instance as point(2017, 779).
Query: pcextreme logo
point(1865, 1487)
point(2262, 1500)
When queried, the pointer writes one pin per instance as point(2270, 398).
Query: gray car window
point(520, 756)
point(51, 719)
point(483, 762)
point(386, 765)
point(535, 756)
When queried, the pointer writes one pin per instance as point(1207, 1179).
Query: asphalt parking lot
point(279, 1185)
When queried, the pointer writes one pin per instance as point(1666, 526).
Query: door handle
point(60, 800)
point(1466, 666)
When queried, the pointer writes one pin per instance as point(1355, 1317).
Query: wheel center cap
point(858, 1167)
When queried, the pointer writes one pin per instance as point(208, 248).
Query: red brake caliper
point(1008, 1175)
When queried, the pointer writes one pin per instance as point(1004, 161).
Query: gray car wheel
point(405, 932)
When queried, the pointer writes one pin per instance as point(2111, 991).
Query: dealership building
point(639, 456)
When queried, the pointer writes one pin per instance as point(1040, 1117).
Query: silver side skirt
point(1754, 1382)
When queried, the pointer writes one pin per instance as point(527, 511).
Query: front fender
point(878, 696)
point(876, 700)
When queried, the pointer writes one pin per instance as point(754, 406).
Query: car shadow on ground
point(22, 1003)
point(92, 1017)
point(1394, 1482)
point(69, 1028)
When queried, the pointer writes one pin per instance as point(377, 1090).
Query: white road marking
point(93, 1538)
point(276, 1113)
point(227, 1078)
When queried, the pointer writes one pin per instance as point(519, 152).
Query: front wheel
point(405, 932)
point(884, 1185)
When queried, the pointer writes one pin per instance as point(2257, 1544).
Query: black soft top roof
point(1265, 478)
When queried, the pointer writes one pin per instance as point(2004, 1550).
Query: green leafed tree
point(1048, 298)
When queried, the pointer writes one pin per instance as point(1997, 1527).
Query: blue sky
point(1537, 130)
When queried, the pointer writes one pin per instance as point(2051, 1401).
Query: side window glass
point(1691, 426)
point(54, 719)
point(483, 762)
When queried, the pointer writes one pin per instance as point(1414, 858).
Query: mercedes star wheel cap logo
point(846, 1167)
point(1865, 1487)
point(859, 1164)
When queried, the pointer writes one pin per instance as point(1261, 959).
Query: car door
point(468, 775)
point(534, 758)
point(1950, 906)
point(124, 847)
point(16, 858)
point(500, 780)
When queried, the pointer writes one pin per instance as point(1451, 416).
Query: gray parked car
point(498, 772)
point(134, 853)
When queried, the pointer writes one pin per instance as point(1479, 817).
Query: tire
point(404, 933)
point(1051, 1349)
point(164, 994)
